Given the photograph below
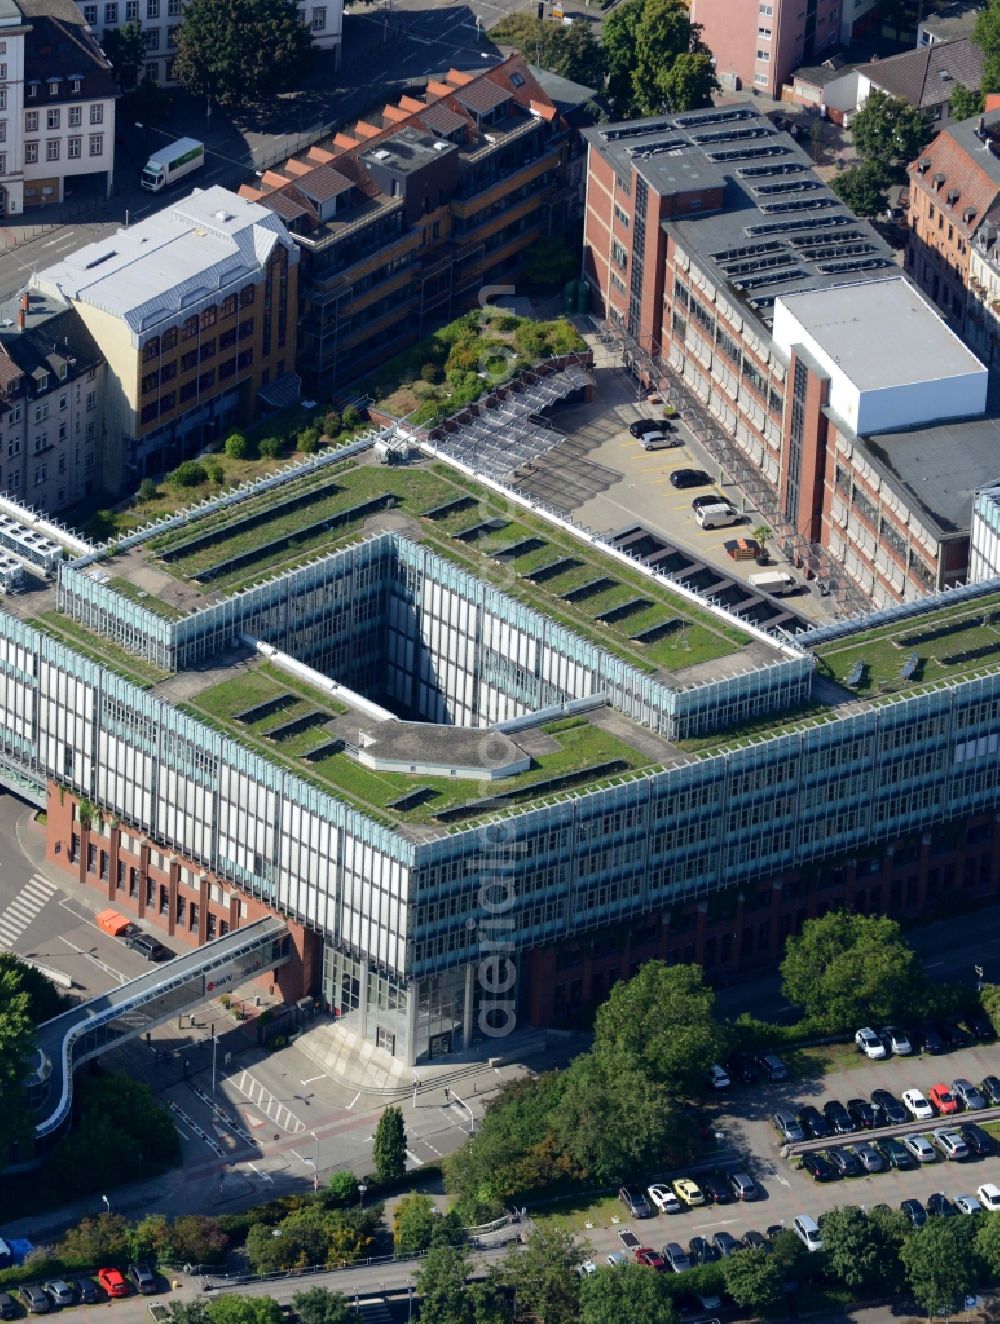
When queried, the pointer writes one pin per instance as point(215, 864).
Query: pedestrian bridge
point(95, 1027)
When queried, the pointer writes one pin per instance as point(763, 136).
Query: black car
point(813, 1123)
point(86, 1291)
point(702, 1251)
point(643, 425)
point(991, 1088)
point(9, 1309)
point(978, 1141)
point(146, 946)
point(980, 1026)
point(914, 1211)
point(755, 1241)
point(945, 1031)
point(713, 499)
point(819, 1167)
point(776, 1230)
point(931, 1040)
point(725, 1244)
point(846, 1163)
point(895, 1155)
point(715, 1189)
point(960, 1037)
point(940, 1206)
point(862, 1114)
point(689, 478)
point(889, 1111)
point(839, 1118)
point(144, 1279)
point(772, 1067)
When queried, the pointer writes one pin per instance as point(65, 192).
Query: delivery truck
point(775, 582)
point(173, 162)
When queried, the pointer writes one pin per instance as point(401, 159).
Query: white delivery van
point(174, 162)
point(775, 582)
point(719, 516)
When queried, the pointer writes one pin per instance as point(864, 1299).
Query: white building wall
point(984, 542)
point(11, 103)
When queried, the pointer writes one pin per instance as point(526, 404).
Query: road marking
point(412, 1157)
point(279, 1113)
point(354, 1100)
point(102, 965)
point(34, 895)
point(266, 1176)
point(311, 1079)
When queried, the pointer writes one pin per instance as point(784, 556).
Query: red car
point(112, 1282)
point(943, 1100)
point(645, 1255)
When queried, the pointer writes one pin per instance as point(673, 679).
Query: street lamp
point(316, 1162)
point(361, 1194)
point(107, 1203)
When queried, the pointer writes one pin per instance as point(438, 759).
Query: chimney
point(982, 125)
point(20, 317)
point(25, 301)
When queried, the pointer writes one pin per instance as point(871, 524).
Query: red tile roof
point(960, 186)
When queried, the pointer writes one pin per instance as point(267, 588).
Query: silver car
point(969, 1095)
point(968, 1204)
point(868, 1156)
point(950, 1143)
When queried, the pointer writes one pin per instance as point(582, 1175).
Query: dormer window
point(63, 371)
point(53, 87)
point(33, 89)
point(42, 381)
point(76, 85)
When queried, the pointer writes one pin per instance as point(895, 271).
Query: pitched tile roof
point(926, 77)
point(962, 171)
point(482, 96)
point(442, 119)
point(60, 44)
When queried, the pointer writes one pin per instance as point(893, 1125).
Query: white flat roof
point(881, 333)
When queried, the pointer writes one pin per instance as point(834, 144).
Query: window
point(91, 436)
point(90, 14)
point(53, 87)
point(764, 34)
point(246, 328)
point(31, 121)
point(207, 380)
point(63, 402)
point(152, 71)
point(618, 254)
point(764, 56)
point(188, 390)
point(168, 372)
point(3, 163)
point(74, 148)
point(208, 318)
point(152, 39)
point(3, 72)
point(13, 447)
point(190, 328)
point(319, 19)
point(52, 149)
point(247, 296)
point(152, 8)
point(174, 7)
point(33, 88)
point(167, 401)
point(52, 119)
point(207, 349)
point(111, 12)
point(91, 401)
point(228, 338)
point(151, 349)
point(75, 116)
point(172, 32)
point(245, 359)
point(30, 153)
point(40, 475)
point(170, 339)
point(131, 10)
point(76, 86)
point(97, 144)
point(189, 360)
point(97, 113)
point(228, 306)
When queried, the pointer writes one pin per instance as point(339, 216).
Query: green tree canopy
point(690, 82)
point(96, 1240)
point(754, 1279)
point(620, 29)
point(846, 970)
point(940, 1264)
point(241, 51)
point(852, 1253)
point(318, 1305)
point(889, 134)
point(986, 35)
point(569, 51)
point(663, 1019)
point(125, 47)
point(413, 1224)
point(862, 188)
point(389, 1147)
point(544, 1274)
point(17, 1041)
point(236, 1309)
point(966, 102)
point(628, 1295)
point(44, 999)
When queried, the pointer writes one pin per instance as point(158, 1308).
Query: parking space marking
point(101, 965)
point(413, 1159)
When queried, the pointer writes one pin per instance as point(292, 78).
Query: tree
point(238, 447)
point(939, 1261)
point(863, 189)
point(989, 995)
point(846, 970)
point(665, 33)
point(197, 1239)
point(852, 1253)
point(966, 102)
point(188, 1312)
point(663, 1018)
point(630, 1293)
point(986, 35)
point(342, 1188)
point(271, 448)
point(147, 490)
point(238, 1309)
point(441, 1286)
point(570, 51)
point(620, 29)
point(544, 1274)
point(413, 1224)
point(125, 47)
point(755, 1280)
point(389, 1147)
point(97, 1240)
point(189, 473)
point(318, 1305)
point(549, 263)
point(987, 1246)
point(690, 82)
point(241, 51)
point(17, 1038)
point(148, 1238)
point(889, 134)
point(44, 999)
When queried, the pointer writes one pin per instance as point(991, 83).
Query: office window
point(152, 8)
point(131, 10)
point(228, 305)
point(170, 339)
point(33, 89)
point(111, 12)
point(190, 328)
point(74, 148)
point(247, 296)
point(764, 56)
point(75, 116)
point(97, 113)
point(764, 33)
point(40, 475)
point(30, 153)
point(208, 318)
point(31, 121)
point(52, 149)
point(207, 380)
point(97, 144)
point(53, 119)
point(189, 360)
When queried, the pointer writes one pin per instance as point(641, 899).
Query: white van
point(718, 516)
point(775, 582)
point(807, 1231)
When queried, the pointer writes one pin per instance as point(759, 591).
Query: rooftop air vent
point(224, 216)
point(441, 147)
point(381, 154)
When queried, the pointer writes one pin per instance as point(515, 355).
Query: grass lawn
point(98, 649)
point(824, 1059)
point(576, 1211)
point(148, 600)
point(991, 1128)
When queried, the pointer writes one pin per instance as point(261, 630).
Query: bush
point(216, 472)
point(308, 441)
point(505, 322)
point(191, 473)
point(238, 447)
point(431, 373)
point(351, 417)
point(271, 448)
point(147, 490)
point(331, 424)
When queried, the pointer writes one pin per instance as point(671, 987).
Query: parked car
point(980, 1026)
point(59, 1292)
point(920, 1147)
point(689, 478)
point(650, 1258)
point(968, 1204)
point(146, 946)
point(664, 1199)
point(917, 1106)
point(950, 1143)
point(807, 1231)
point(942, 1099)
point(112, 1282)
point(755, 1241)
point(725, 1244)
point(9, 1309)
point(819, 1167)
point(701, 1251)
point(144, 1279)
point(813, 1123)
point(957, 1033)
point(914, 1211)
point(870, 1044)
point(946, 1033)
point(868, 1156)
point(643, 425)
point(889, 1110)
point(979, 1141)
point(989, 1196)
point(35, 1300)
point(846, 1163)
point(991, 1088)
point(587, 1268)
point(617, 1259)
point(840, 1119)
point(715, 1189)
point(718, 1078)
point(772, 1067)
point(713, 499)
point(86, 1291)
point(931, 1041)
point(675, 1257)
point(940, 1206)
point(968, 1095)
point(895, 1155)
point(897, 1040)
point(862, 1114)
point(743, 1186)
point(689, 1192)
point(635, 1202)
point(787, 1126)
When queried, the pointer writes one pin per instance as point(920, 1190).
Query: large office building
point(483, 765)
point(403, 217)
point(730, 271)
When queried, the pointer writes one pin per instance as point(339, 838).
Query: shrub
point(431, 372)
point(351, 417)
point(331, 424)
point(271, 448)
point(505, 322)
point(190, 473)
point(308, 442)
point(216, 472)
point(238, 447)
point(147, 490)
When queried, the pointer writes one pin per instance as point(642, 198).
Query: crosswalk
point(32, 898)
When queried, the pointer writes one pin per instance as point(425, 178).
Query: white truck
point(775, 582)
point(172, 162)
